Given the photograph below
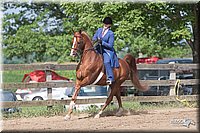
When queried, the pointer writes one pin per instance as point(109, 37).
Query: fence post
point(49, 90)
point(172, 76)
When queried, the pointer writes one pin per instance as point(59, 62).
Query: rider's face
point(107, 25)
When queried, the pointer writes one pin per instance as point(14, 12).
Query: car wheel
point(37, 98)
point(19, 109)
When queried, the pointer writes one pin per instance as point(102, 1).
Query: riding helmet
point(107, 20)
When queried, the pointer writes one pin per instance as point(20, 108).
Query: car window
point(163, 78)
point(185, 61)
point(185, 77)
point(92, 91)
point(7, 96)
point(88, 89)
point(182, 61)
point(43, 89)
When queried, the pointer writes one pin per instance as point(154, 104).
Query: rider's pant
point(107, 64)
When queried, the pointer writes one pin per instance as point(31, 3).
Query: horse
point(90, 70)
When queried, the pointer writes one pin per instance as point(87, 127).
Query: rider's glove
point(99, 41)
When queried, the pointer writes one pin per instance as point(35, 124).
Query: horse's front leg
point(109, 99)
point(72, 103)
point(78, 85)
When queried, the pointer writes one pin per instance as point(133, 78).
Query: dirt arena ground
point(150, 121)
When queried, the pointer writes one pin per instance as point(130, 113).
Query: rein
point(81, 53)
point(85, 51)
point(77, 50)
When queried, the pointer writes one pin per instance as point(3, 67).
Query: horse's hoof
point(119, 113)
point(67, 117)
point(97, 116)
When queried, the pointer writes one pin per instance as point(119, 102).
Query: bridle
point(78, 50)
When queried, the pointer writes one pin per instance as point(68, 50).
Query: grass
point(137, 106)
point(28, 112)
point(13, 76)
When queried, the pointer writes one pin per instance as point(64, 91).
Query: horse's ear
point(80, 31)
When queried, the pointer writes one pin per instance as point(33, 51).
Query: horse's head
point(78, 44)
point(81, 42)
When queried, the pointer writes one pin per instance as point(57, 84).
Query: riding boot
point(109, 73)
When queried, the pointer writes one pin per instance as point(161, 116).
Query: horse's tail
point(134, 73)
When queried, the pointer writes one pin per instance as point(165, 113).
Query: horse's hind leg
point(120, 110)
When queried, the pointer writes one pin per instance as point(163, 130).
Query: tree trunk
point(196, 44)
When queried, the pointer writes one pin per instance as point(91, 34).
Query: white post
point(172, 76)
point(49, 90)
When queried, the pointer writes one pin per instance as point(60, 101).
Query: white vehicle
point(40, 94)
point(57, 94)
point(100, 92)
point(81, 107)
point(20, 93)
point(66, 93)
point(35, 77)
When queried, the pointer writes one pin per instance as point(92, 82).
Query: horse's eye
point(78, 43)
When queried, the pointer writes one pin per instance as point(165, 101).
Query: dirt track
point(153, 120)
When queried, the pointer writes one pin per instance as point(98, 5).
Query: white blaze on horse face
point(72, 50)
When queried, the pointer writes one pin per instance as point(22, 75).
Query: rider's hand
point(99, 41)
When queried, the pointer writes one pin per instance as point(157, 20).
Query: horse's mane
point(84, 33)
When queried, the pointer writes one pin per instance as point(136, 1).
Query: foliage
point(42, 32)
point(147, 28)
point(39, 35)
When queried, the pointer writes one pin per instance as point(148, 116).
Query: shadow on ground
point(125, 112)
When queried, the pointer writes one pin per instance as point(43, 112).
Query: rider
point(105, 37)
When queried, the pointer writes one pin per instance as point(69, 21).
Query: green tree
point(44, 30)
point(147, 28)
point(35, 30)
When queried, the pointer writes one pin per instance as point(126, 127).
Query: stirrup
point(109, 82)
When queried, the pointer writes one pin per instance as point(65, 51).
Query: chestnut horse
point(90, 70)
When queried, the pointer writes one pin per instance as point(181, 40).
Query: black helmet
point(107, 20)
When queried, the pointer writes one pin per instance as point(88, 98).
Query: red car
point(147, 60)
point(37, 76)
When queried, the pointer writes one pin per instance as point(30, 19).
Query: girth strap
point(100, 76)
